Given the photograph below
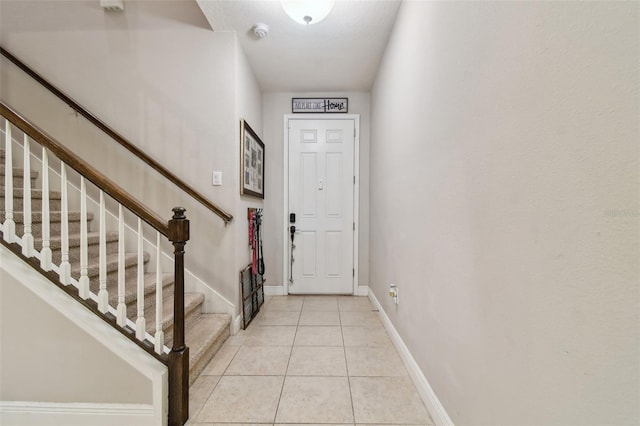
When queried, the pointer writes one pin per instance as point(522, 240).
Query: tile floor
point(308, 360)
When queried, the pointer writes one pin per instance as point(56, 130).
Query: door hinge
point(353, 272)
point(354, 226)
point(354, 180)
point(354, 132)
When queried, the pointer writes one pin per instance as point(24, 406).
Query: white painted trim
point(356, 204)
point(356, 190)
point(433, 404)
point(361, 290)
point(31, 413)
point(274, 290)
point(103, 333)
point(285, 195)
point(236, 325)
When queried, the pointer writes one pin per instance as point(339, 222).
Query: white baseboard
point(22, 413)
point(433, 404)
point(361, 290)
point(236, 325)
point(274, 290)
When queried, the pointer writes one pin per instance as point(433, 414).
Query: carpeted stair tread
point(93, 238)
point(17, 172)
point(131, 291)
point(54, 216)
point(192, 306)
point(36, 194)
point(55, 200)
point(204, 338)
point(93, 267)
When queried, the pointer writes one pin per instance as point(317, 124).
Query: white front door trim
point(356, 190)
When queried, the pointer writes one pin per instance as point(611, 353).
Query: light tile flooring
point(308, 360)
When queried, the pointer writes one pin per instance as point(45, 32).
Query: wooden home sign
point(321, 105)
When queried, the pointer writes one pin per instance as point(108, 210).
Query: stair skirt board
point(102, 332)
point(20, 413)
point(434, 406)
point(236, 325)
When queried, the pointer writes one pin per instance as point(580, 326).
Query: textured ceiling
point(341, 53)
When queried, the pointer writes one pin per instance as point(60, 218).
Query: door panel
point(334, 182)
point(334, 253)
point(321, 167)
point(309, 180)
point(308, 250)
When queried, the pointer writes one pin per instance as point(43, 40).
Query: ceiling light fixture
point(307, 12)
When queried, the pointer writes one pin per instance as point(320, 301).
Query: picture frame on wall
point(251, 162)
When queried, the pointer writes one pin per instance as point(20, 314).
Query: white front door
point(321, 195)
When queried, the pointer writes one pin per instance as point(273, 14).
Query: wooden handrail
point(80, 166)
point(226, 217)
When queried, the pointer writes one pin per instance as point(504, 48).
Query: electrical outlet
point(393, 292)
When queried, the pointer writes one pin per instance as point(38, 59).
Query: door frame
point(356, 191)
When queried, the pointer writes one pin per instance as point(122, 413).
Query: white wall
point(162, 78)
point(504, 195)
point(275, 106)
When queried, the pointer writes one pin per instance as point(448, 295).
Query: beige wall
point(275, 106)
point(161, 77)
point(505, 204)
point(45, 357)
point(248, 107)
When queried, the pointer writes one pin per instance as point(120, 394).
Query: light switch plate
point(217, 179)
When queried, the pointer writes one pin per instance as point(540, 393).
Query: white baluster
point(140, 322)
point(9, 225)
point(103, 296)
point(159, 337)
point(84, 249)
point(122, 307)
point(27, 237)
point(65, 266)
point(45, 253)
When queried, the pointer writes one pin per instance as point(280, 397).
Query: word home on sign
point(321, 105)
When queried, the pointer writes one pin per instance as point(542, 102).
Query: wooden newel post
point(179, 355)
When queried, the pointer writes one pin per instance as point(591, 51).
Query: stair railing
point(225, 216)
point(28, 233)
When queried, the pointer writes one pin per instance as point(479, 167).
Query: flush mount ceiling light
point(307, 12)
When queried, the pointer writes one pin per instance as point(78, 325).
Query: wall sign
point(322, 105)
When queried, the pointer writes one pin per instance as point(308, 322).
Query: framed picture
point(251, 162)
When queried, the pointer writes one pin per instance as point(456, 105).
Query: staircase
point(204, 333)
point(149, 307)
